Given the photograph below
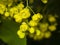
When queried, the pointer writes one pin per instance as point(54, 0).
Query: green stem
point(31, 9)
point(27, 2)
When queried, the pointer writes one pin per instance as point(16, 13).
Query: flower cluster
point(30, 24)
point(37, 29)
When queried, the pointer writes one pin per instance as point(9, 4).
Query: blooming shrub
point(34, 25)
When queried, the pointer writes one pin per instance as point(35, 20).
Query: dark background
point(53, 7)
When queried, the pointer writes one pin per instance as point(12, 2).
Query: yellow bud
point(52, 19)
point(37, 17)
point(43, 26)
point(39, 36)
point(18, 18)
point(2, 8)
point(47, 34)
point(1, 12)
point(52, 28)
point(38, 32)
point(25, 13)
point(20, 6)
point(24, 26)
point(20, 34)
point(13, 11)
point(31, 30)
point(32, 23)
point(6, 14)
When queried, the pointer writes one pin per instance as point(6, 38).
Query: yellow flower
point(20, 6)
point(18, 18)
point(39, 37)
point(31, 30)
point(2, 8)
point(32, 23)
point(25, 13)
point(52, 28)
point(6, 14)
point(47, 34)
point(44, 1)
point(43, 26)
point(37, 16)
point(52, 19)
point(13, 11)
point(20, 34)
point(24, 26)
point(38, 32)
point(1, 12)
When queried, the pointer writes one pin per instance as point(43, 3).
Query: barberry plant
point(36, 25)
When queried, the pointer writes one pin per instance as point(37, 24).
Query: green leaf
point(8, 33)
